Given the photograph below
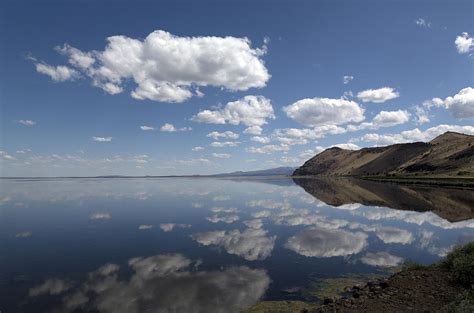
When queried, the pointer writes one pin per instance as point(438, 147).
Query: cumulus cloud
point(260, 139)
point(228, 219)
point(27, 122)
point(249, 110)
point(5, 156)
point(383, 119)
point(147, 128)
point(464, 43)
point(253, 130)
point(145, 227)
point(256, 223)
point(422, 22)
point(268, 149)
point(167, 227)
point(170, 128)
point(166, 67)
point(224, 144)
point(381, 259)
point(325, 243)
point(197, 149)
point(461, 105)
point(251, 244)
point(166, 283)
point(346, 79)
point(57, 73)
point(50, 287)
point(379, 95)
point(323, 111)
point(224, 135)
point(222, 155)
point(100, 216)
point(347, 146)
point(102, 139)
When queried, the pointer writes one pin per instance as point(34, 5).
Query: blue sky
point(268, 77)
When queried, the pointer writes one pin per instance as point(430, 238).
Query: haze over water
point(200, 245)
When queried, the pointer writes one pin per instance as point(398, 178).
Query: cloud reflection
point(251, 244)
point(325, 243)
point(166, 283)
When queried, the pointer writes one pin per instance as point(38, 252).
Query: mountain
point(449, 203)
point(285, 171)
point(448, 154)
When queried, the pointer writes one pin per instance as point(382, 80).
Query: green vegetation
point(461, 263)
point(280, 307)
point(449, 181)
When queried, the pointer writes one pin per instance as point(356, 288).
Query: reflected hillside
point(450, 204)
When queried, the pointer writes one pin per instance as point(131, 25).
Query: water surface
point(209, 245)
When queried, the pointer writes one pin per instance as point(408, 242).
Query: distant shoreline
point(459, 182)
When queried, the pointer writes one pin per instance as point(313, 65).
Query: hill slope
point(448, 154)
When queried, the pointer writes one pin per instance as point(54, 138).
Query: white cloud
point(347, 146)
point(166, 283)
point(27, 122)
point(23, 151)
point(100, 216)
point(378, 95)
point(382, 259)
point(462, 104)
point(145, 227)
point(197, 149)
point(4, 155)
point(301, 136)
point(253, 130)
point(252, 244)
point(222, 155)
point(268, 149)
point(383, 119)
point(167, 227)
point(147, 128)
point(220, 209)
point(57, 73)
point(225, 135)
point(256, 223)
point(391, 118)
point(190, 162)
point(321, 242)
point(167, 127)
point(260, 139)
point(347, 79)
point(249, 110)
point(102, 139)
point(464, 43)
point(50, 287)
point(223, 144)
point(228, 219)
point(416, 134)
point(170, 68)
point(422, 22)
point(323, 111)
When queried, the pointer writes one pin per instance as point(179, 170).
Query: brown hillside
point(448, 154)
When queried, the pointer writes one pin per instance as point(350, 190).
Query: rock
point(328, 301)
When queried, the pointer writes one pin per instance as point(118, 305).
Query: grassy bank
point(445, 181)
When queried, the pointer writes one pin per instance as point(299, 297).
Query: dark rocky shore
point(444, 287)
point(447, 286)
point(418, 290)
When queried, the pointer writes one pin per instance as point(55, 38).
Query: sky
point(199, 87)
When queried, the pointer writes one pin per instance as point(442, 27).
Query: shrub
point(461, 263)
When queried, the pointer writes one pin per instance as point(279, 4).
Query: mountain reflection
point(449, 203)
point(160, 283)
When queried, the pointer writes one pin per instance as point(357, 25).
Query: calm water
point(207, 245)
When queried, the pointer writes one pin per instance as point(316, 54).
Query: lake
point(211, 245)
